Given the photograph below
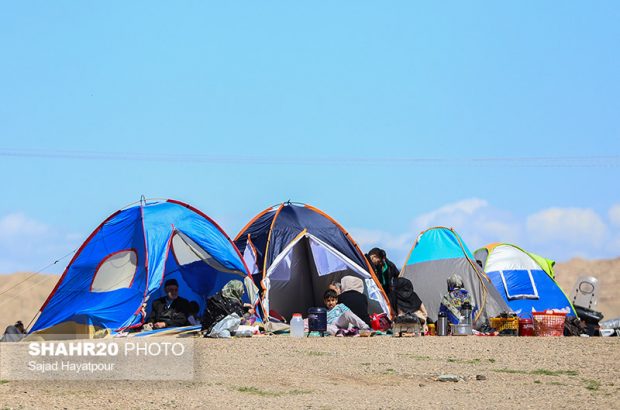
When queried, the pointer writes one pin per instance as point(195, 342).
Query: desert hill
point(607, 271)
point(23, 301)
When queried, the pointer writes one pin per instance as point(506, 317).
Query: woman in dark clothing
point(223, 303)
point(407, 301)
point(352, 296)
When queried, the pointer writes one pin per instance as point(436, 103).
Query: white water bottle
point(297, 325)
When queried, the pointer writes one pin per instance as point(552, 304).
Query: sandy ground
point(378, 372)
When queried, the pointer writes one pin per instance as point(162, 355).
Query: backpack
point(380, 321)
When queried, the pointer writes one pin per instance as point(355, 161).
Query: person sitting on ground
point(353, 297)
point(339, 316)
point(170, 310)
point(408, 302)
point(14, 333)
point(224, 303)
point(455, 298)
point(193, 318)
point(385, 270)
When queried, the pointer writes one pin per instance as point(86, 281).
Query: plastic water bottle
point(297, 325)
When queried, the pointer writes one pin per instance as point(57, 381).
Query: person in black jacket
point(170, 310)
point(386, 271)
point(353, 297)
point(224, 303)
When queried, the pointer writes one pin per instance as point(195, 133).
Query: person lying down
point(340, 319)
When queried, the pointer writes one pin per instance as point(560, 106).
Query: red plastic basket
point(548, 324)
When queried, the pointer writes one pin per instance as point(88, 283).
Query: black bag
point(218, 307)
point(573, 327)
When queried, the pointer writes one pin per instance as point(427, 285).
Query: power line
point(36, 273)
point(594, 161)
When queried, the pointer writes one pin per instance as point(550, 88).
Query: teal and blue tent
point(437, 254)
point(525, 280)
point(122, 266)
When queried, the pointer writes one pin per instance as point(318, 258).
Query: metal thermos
point(466, 313)
point(442, 324)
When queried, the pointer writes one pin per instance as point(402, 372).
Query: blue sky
point(335, 105)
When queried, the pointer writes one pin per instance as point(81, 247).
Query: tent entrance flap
point(289, 281)
point(328, 260)
point(301, 274)
point(187, 251)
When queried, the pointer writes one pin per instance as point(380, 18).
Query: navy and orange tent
point(125, 261)
point(295, 251)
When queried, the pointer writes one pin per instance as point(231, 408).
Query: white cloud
point(19, 224)
point(451, 214)
point(614, 215)
point(557, 233)
point(397, 246)
point(575, 227)
point(27, 244)
point(476, 221)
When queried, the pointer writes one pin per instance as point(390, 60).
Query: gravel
point(377, 372)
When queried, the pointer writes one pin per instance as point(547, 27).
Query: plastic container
point(526, 327)
point(549, 324)
point(297, 325)
point(506, 326)
point(461, 329)
point(243, 333)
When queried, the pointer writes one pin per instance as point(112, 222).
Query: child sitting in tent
point(455, 298)
point(340, 319)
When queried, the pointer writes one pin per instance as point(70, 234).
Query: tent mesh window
point(116, 271)
point(519, 284)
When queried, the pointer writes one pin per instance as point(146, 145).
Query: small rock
point(449, 378)
point(481, 377)
point(421, 385)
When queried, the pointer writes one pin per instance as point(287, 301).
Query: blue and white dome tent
point(123, 263)
point(525, 280)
